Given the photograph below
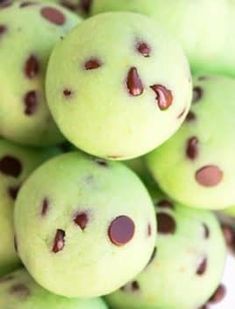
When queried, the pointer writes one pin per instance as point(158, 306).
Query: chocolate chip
point(181, 114)
point(163, 96)
point(190, 117)
point(81, 219)
point(27, 3)
point(121, 230)
point(197, 94)
point(85, 5)
point(202, 267)
point(143, 48)
point(31, 102)
point(134, 83)
point(3, 29)
point(135, 286)
point(131, 287)
point(67, 92)
point(53, 15)
point(31, 67)
point(19, 290)
point(59, 241)
point(44, 207)
point(166, 223)
point(10, 166)
point(92, 64)
point(229, 234)
point(101, 162)
point(5, 3)
point(192, 148)
point(218, 295)
point(209, 176)
point(206, 231)
point(153, 255)
point(165, 204)
point(13, 192)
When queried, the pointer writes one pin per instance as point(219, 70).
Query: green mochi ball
point(205, 28)
point(118, 86)
point(16, 163)
point(196, 166)
point(84, 226)
point(28, 33)
point(186, 266)
point(19, 291)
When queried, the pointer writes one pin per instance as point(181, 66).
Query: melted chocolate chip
point(19, 290)
point(10, 166)
point(190, 117)
point(31, 67)
point(44, 207)
point(134, 83)
point(218, 295)
point(206, 231)
point(165, 204)
point(197, 94)
point(85, 6)
point(101, 162)
point(202, 267)
point(67, 93)
point(163, 96)
point(121, 230)
point(59, 241)
point(92, 64)
point(153, 255)
point(53, 15)
point(135, 286)
point(192, 148)
point(13, 192)
point(3, 30)
point(166, 223)
point(131, 287)
point(209, 176)
point(143, 48)
point(81, 219)
point(31, 102)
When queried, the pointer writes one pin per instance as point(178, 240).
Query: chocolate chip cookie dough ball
point(28, 32)
point(121, 92)
point(88, 228)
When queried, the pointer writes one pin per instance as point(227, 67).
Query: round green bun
point(197, 167)
point(186, 266)
point(16, 163)
point(18, 290)
point(205, 28)
point(84, 226)
point(28, 33)
point(125, 92)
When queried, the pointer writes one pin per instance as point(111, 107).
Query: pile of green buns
point(117, 155)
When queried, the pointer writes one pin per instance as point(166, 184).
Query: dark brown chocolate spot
point(206, 231)
point(85, 6)
point(27, 3)
point(131, 287)
point(165, 204)
point(166, 223)
point(19, 290)
point(181, 114)
point(31, 67)
point(53, 15)
point(81, 219)
point(143, 48)
point(164, 96)
point(59, 241)
point(67, 92)
point(209, 176)
point(134, 83)
point(190, 117)
point(135, 286)
point(10, 166)
point(3, 30)
point(149, 230)
point(153, 255)
point(15, 244)
point(92, 64)
point(121, 230)
point(31, 102)
point(197, 94)
point(202, 267)
point(218, 295)
point(13, 192)
point(229, 234)
point(101, 162)
point(192, 148)
point(5, 3)
point(44, 207)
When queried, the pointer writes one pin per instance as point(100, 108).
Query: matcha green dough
point(186, 266)
point(84, 226)
point(196, 166)
point(28, 33)
point(119, 93)
point(16, 163)
point(205, 28)
point(19, 291)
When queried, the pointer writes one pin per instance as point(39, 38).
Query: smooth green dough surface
point(205, 28)
point(18, 290)
point(101, 96)
point(27, 37)
point(16, 163)
point(196, 166)
point(188, 264)
point(93, 235)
